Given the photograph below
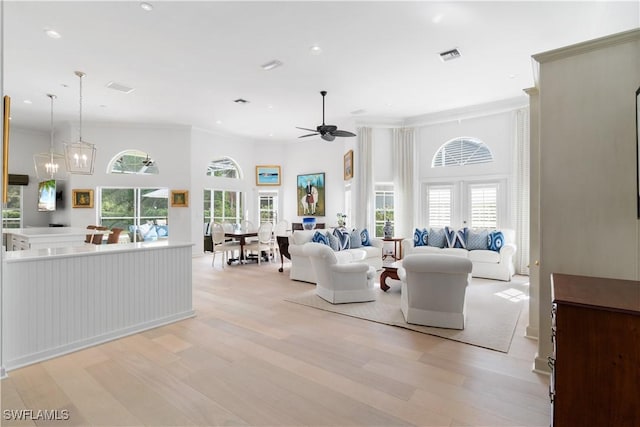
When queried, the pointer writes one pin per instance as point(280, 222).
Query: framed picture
point(311, 194)
point(180, 198)
point(82, 198)
point(267, 175)
point(348, 165)
point(638, 145)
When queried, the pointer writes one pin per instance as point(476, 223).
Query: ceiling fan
point(326, 132)
point(147, 162)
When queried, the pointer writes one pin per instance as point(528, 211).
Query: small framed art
point(82, 198)
point(267, 175)
point(348, 165)
point(180, 198)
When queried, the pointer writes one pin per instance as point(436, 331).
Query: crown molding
point(588, 46)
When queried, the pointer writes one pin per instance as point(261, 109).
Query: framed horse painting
point(311, 194)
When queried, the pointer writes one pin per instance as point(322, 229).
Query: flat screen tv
point(47, 196)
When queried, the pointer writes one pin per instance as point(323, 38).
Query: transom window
point(462, 151)
point(224, 167)
point(133, 162)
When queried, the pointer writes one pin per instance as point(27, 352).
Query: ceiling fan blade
point(327, 128)
point(310, 134)
point(328, 137)
point(343, 133)
point(310, 130)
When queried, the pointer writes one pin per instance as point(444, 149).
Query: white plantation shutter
point(483, 205)
point(440, 206)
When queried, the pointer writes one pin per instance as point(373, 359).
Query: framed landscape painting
point(348, 165)
point(267, 175)
point(82, 198)
point(311, 194)
point(180, 198)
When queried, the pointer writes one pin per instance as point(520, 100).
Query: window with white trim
point(268, 206)
point(483, 205)
point(12, 212)
point(462, 151)
point(223, 205)
point(384, 210)
point(440, 205)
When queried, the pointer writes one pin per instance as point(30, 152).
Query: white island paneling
point(60, 300)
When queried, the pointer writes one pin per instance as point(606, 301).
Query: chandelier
point(50, 165)
point(80, 156)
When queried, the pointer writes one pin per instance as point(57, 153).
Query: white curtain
point(403, 163)
point(364, 187)
point(520, 195)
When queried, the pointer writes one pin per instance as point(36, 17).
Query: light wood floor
point(250, 358)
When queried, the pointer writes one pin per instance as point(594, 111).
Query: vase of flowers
point(342, 220)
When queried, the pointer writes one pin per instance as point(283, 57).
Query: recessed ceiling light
point(315, 50)
point(103, 106)
point(269, 107)
point(271, 134)
point(436, 19)
point(146, 6)
point(360, 111)
point(218, 122)
point(271, 65)
point(52, 33)
point(513, 76)
point(27, 101)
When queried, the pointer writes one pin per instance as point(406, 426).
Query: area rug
point(493, 309)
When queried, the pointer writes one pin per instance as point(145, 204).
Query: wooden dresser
point(595, 366)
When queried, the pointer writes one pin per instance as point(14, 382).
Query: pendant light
point(50, 165)
point(80, 156)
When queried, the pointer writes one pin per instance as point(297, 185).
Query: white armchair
point(340, 282)
point(434, 287)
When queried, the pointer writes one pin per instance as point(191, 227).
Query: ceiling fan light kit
point(326, 132)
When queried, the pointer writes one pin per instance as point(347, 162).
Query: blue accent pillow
point(344, 240)
point(318, 237)
point(333, 241)
point(477, 240)
point(355, 238)
point(162, 230)
point(364, 238)
point(495, 241)
point(456, 239)
point(436, 238)
point(420, 237)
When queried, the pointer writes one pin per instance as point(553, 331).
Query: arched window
point(224, 167)
point(133, 162)
point(462, 151)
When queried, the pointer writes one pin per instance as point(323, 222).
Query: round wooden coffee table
point(389, 271)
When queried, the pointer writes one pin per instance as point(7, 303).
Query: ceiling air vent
point(119, 87)
point(449, 55)
point(240, 101)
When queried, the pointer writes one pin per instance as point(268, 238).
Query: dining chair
point(89, 237)
point(263, 243)
point(220, 245)
point(97, 237)
point(114, 237)
point(280, 229)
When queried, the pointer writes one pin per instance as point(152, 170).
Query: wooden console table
point(397, 242)
point(595, 366)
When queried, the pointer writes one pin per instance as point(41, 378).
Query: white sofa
point(487, 264)
point(339, 282)
point(301, 268)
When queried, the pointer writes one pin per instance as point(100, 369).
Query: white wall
point(588, 182)
point(23, 144)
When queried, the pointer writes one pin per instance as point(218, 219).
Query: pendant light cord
point(81, 75)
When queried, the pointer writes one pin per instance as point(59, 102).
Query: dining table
point(241, 236)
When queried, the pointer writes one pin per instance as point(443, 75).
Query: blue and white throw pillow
point(420, 237)
point(436, 238)
point(364, 238)
point(477, 240)
point(333, 241)
point(456, 238)
point(344, 240)
point(319, 237)
point(495, 241)
point(355, 238)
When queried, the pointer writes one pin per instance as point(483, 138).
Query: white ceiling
point(188, 61)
